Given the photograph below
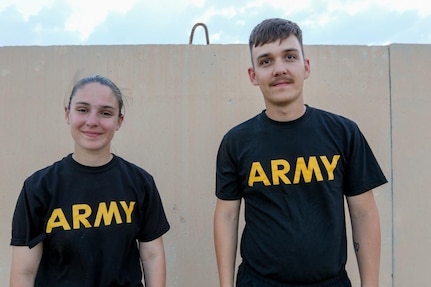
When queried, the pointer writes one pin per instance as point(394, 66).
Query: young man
point(293, 164)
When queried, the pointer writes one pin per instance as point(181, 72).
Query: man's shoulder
point(243, 127)
point(325, 115)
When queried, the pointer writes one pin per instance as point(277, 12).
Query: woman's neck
point(92, 158)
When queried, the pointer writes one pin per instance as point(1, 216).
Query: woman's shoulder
point(49, 170)
point(131, 167)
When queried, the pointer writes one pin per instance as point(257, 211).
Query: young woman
point(92, 218)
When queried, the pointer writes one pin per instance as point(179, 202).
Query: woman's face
point(93, 116)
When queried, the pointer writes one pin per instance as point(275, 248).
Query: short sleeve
point(154, 222)
point(28, 220)
point(363, 172)
point(228, 182)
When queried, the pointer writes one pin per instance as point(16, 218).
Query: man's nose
point(279, 68)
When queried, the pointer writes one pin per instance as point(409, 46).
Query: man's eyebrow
point(288, 50)
point(263, 56)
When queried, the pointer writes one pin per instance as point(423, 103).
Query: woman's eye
point(106, 114)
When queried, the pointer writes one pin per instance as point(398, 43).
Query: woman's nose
point(92, 119)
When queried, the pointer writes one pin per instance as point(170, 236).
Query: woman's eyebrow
point(101, 107)
point(82, 103)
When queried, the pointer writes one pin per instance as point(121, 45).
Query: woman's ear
point(66, 115)
point(120, 122)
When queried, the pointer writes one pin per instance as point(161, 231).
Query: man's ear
point(252, 76)
point(307, 68)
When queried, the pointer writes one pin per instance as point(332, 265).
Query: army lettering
point(81, 213)
point(280, 169)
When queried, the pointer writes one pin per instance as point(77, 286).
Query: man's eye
point(265, 62)
point(81, 110)
point(291, 57)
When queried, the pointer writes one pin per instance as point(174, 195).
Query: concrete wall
point(181, 99)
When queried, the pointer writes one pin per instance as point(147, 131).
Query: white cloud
point(421, 7)
point(197, 3)
point(349, 7)
point(323, 13)
point(317, 21)
point(353, 7)
point(215, 37)
point(59, 22)
point(26, 8)
point(211, 12)
point(86, 15)
point(281, 5)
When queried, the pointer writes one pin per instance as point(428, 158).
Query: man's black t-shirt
point(293, 177)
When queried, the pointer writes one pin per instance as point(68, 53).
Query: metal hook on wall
point(193, 32)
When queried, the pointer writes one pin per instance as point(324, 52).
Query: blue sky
point(123, 22)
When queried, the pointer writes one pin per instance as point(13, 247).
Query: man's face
point(279, 69)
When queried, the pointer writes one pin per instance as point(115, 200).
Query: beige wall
point(182, 99)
